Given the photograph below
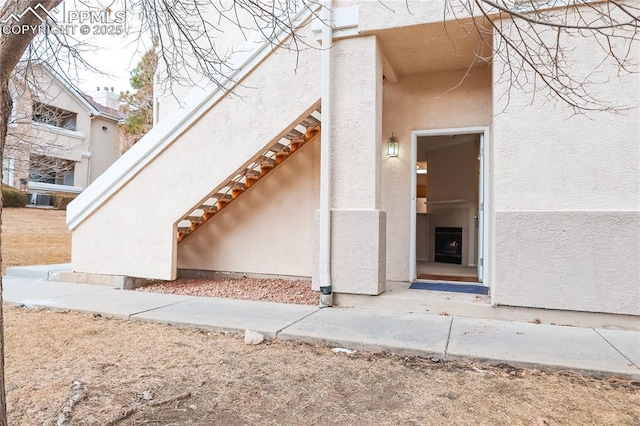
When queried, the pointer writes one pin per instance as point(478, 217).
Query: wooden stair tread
point(310, 121)
point(277, 147)
point(265, 159)
point(293, 134)
point(236, 184)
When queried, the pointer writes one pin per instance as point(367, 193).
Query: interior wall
point(450, 171)
point(421, 102)
point(269, 229)
point(452, 196)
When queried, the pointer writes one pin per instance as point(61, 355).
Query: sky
point(114, 55)
point(116, 58)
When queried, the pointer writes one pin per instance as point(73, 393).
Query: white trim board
point(53, 187)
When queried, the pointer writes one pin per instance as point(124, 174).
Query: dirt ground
point(215, 379)
point(166, 375)
point(33, 237)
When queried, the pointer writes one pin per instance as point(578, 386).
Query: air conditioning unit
point(40, 199)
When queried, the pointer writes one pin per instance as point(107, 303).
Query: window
point(58, 117)
point(14, 109)
point(8, 170)
point(46, 169)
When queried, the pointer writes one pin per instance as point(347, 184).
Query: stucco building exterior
point(516, 192)
point(59, 139)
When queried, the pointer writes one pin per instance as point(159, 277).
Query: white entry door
point(481, 204)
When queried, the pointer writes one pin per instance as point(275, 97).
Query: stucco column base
point(358, 251)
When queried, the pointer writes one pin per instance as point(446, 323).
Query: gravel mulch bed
point(244, 288)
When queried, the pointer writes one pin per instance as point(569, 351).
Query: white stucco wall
point(104, 147)
point(135, 228)
point(227, 39)
point(269, 229)
point(421, 102)
point(388, 14)
point(566, 196)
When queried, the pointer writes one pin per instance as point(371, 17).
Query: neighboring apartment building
point(434, 171)
point(59, 140)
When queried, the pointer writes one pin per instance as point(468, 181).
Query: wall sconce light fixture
point(393, 146)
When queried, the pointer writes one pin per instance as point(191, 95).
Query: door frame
point(483, 234)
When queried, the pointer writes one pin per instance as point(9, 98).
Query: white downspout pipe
point(326, 293)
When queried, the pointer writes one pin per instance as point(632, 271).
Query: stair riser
point(265, 168)
point(250, 180)
point(296, 145)
point(281, 156)
point(235, 192)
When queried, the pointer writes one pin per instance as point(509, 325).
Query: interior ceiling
point(435, 47)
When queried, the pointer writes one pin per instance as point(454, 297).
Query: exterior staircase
point(197, 160)
point(256, 168)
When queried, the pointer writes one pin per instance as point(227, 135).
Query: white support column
point(358, 229)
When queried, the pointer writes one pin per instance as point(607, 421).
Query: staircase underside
point(257, 167)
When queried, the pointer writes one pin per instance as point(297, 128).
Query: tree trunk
point(5, 111)
point(12, 47)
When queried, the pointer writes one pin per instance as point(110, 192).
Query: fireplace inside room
point(448, 247)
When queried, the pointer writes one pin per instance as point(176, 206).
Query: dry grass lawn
point(34, 237)
point(167, 375)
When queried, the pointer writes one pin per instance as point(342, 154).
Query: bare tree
point(527, 38)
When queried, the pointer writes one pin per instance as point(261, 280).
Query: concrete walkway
point(601, 352)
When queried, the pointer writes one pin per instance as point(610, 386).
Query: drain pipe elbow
point(326, 291)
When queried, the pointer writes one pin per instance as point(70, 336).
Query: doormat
point(456, 288)
point(433, 277)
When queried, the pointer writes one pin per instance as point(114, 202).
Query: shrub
point(60, 200)
point(12, 197)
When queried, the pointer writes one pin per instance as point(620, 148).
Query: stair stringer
point(281, 148)
point(269, 229)
point(133, 233)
